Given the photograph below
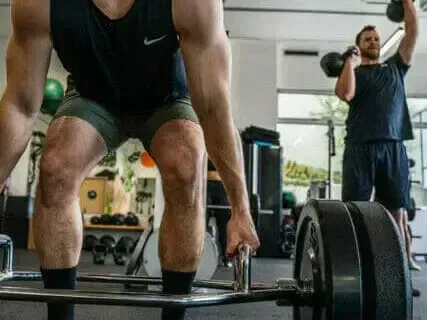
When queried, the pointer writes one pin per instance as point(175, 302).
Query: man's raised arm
point(407, 45)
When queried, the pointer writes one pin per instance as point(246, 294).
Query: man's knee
point(184, 170)
point(181, 160)
point(57, 178)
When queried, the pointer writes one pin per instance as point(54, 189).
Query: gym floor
point(262, 270)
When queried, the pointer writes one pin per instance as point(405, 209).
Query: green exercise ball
point(53, 95)
point(289, 200)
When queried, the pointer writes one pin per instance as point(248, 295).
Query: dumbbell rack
point(112, 227)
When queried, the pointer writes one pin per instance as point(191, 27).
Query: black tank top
point(129, 65)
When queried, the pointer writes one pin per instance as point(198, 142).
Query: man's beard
point(371, 55)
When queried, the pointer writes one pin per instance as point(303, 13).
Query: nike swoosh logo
point(152, 41)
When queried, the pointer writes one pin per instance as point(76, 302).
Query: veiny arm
point(207, 57)
point(27, 61)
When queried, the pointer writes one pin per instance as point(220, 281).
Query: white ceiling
point(355, 6)
point(310, 21)
point(319, 21)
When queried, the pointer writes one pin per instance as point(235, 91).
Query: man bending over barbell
point(378, 121)
point(127, 79)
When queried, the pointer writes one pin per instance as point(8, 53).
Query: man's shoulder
point(396, 60)
point(30, 17)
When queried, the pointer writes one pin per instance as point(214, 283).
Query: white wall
point(371, 6)
point(304, 72)
point(253, 89)
point(260, 68)
point(327, 21)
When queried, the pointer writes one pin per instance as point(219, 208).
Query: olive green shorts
point(114, 129)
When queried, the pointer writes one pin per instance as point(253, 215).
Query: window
point(306, 154)
point(417, 148)
point(303, 128)
point(310, 106)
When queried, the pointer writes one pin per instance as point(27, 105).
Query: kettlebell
point(395, 11)
point(332, 63)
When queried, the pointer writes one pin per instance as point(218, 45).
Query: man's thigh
point(392, 178)
point(173, 109)
point(96, 115)
point(358, 173)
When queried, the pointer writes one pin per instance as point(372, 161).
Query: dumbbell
point(395, 11)
point(332, 63)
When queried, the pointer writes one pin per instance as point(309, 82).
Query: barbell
point(350, 263)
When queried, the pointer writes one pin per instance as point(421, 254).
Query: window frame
point(417, 125)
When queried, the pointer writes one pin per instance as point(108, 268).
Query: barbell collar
point(303, 293)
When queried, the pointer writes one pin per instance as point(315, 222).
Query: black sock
point(176, 283)
point(59, 279)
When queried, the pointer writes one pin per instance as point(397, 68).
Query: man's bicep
point(27, 63)
point(28, 54)
point(208, 68)
point(205, 47)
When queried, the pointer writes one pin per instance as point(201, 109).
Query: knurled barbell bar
point(350, 263)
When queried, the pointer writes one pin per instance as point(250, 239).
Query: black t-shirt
point(379, 110)
point(130, 65)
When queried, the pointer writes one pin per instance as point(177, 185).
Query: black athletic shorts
point(381, 164)
point(114, 129)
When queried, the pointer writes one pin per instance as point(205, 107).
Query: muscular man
point(126, 62)
point(378, 120)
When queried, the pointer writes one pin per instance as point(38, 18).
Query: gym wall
point(254, 84)
point(259, 68)
point(297, 72)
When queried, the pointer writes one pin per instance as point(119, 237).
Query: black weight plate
point(326, 238)
point(386, 276)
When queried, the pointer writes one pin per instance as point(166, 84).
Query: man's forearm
point(410, 17)
point(407, 46)
point(346, 83)
point(16, 128)
point(224, 147)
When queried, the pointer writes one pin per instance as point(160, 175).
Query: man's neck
point(366, 61)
